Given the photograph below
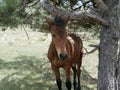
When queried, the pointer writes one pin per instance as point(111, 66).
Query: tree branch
point(96, 46)
point(92, 51)
point(82, 16)
point(34, 3)
point(101, 5)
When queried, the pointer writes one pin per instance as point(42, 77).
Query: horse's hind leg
point(79, 72)
point(78, 77)
point(74, 76)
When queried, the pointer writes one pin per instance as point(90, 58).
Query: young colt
point(65, 51)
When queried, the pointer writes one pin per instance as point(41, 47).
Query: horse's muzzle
point(63, 56)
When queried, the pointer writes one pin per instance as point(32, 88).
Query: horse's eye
point(53, 35)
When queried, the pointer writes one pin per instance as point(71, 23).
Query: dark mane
point(59, 21)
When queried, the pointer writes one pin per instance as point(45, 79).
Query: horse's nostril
point(63, 56)
point(66, 55)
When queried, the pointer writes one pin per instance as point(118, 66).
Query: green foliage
point(8, 14)
point(37, 18)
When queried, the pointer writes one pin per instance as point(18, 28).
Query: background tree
point(19, 12)
point(102, 12)
point(8, 13)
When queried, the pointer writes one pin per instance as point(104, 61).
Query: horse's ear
point(66, 20)
point(49, 22)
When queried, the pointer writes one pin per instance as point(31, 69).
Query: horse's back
point(77, 40)
point(78, 48)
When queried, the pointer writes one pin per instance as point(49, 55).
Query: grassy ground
point(24, 64)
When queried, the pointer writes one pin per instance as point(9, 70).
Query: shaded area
point(87, 81)
point(31, 73)
point(26, 73)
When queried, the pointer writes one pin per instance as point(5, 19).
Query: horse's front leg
point(67, 72)
point(57, 75)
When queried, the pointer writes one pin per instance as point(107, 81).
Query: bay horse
point(65, 51)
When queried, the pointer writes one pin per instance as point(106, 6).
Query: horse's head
point(57, 28)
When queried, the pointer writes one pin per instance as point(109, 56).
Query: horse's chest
point(58, 63)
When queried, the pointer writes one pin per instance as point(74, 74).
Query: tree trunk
point(109, 52)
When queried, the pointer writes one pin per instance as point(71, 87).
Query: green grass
point(24, 73)
point(24, 64)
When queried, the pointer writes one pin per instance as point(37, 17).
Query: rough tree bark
point(109, 54)
point(109, 50)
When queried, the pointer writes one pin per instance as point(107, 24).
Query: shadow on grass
point(31, 73)
point(88, 80)
point(26, 73)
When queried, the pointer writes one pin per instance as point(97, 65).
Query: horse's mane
point(59, 21)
